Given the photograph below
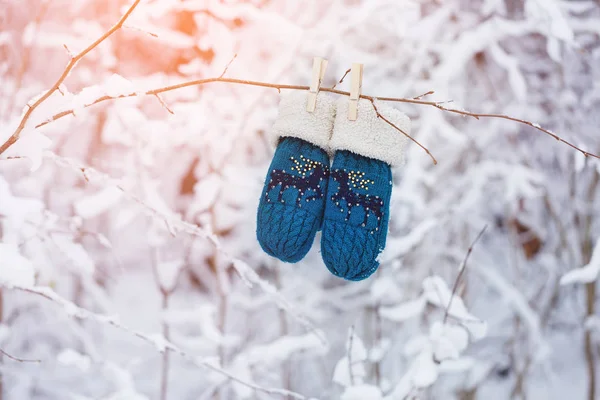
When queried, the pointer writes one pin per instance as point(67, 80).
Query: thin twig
point(140, 30)
point(13, 158)
point(350, 343)
point(498, 116)
point(343, 77)
point(174, 224)
point(279, 87)
point(162, 103)
point(74, 59)
point(71, 55)
point(166, 293)
point(423, 95)
point(404, 133)
point(461, 270)
point(163, 344)
point(227, 66)
point(17, 358)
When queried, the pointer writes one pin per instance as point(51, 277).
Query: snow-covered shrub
point(128, 261)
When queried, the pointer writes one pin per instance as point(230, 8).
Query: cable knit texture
point(356, 215)
point(369, 135)
point(359, 189)
point(291, 208)
point(292, 204)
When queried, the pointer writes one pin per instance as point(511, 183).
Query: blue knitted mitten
point(292, 203)
point(360, 185)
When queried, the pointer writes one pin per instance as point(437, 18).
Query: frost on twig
point(157, 341)
point(17, 359)
point(586, 274)
point(155, 92)
point(72, 63)
point(441, 349)
point(174, 224)
point(461, 270)
point(350, 371)
point(417, 100)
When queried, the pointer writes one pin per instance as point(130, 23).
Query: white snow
point(116, 86)
point(586, 274)
point(74, 253)
point(362, 392)
point(32, 146)
point(168, 272)
point(160, 342)
point(4, 332)
point(207, 191)
point(14, 268)
point(72, 358)
point(404, 311)
point(97, 322)
point(95, 204)
point(283, 348)
point(350, 369)
point(448, 341)
point(423, 371)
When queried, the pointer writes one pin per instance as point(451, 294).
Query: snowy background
point(129, 267)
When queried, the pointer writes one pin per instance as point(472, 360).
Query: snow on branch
point(17, 359)
point(156, 92)
point(519, 303)
point(461, 270)
point(417, 100)
point(56, 87)
point(441, 349)
point(158, 341)
point(174, 224)
point(586, 274)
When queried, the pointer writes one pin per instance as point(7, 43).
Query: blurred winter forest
point(129, 267)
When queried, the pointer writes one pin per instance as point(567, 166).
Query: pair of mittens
point(349, 201)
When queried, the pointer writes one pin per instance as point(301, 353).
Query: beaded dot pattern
point(356, 215)
point(292, 205)
point(306, 175)
point(349, 181)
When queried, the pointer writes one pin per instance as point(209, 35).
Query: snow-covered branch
point(56, 87)
point(440, 105)
point(156, 340)
point(174, 225)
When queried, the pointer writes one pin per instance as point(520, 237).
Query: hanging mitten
point(292, 203)
point(360, 185)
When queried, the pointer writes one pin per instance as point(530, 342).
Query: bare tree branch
point(461, 270)
point(161, 343)
point(175, 224)
point(74, 59)
point(423, 95)
point(417, 100)
point(162, 103)
point(227, 66)
point(350, 343)
point(404, 133)
point(17, 358)
point(438, 105)
point(342, 79)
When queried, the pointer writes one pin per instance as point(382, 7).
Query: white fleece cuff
point(294, 121)
point(369, 135)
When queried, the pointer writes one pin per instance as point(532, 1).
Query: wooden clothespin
point(318, 73)
point(355, 88)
